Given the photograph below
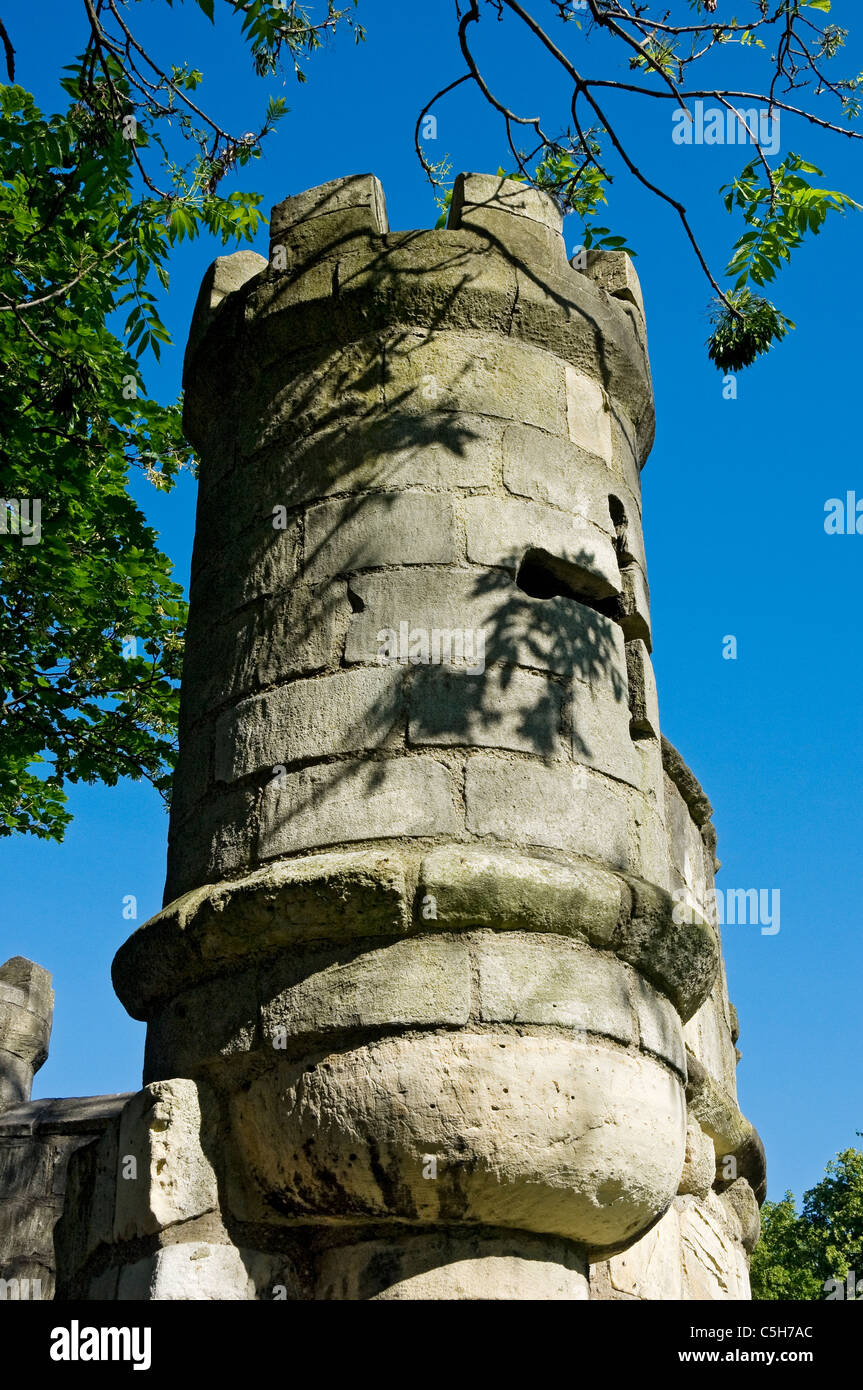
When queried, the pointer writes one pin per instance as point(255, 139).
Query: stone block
point(358, 800)
point(193, 1272)
point(328, 389)
point(651, 1269)
point(287, 635)
point(334, 895)
point(659, 1027)
point(528, 803)
point(714, 1265)
point(522, 224)
point(382, 451)
point(507, 708)
point(26, 1012)
point(739, 1199)
point(453, 1264)
point(381, 528)
point(224, 276)
point(500, 531)
point(599, 719)
point(414, 983)
point(171, 1179)
point(643, 702)
point(556, 1135)
point(316, 718)
point(476, 887)
point(215, 841)
point(557, 635)
point(699, 1165)
point(553, 470)
point(534, 978)
point(322, 219)
point(486, 375)
point(588, 414)
point(614, 272)
point(260, 562)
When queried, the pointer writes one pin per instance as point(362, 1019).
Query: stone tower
point(424, 1019)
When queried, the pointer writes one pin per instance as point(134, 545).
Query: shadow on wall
point(320, 420)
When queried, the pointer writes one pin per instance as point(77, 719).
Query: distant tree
point(811, 1255)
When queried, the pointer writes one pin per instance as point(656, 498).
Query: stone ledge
point(344, 895)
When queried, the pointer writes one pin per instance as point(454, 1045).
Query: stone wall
point(37, 1138)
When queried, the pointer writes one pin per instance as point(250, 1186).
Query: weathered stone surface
point(541, 979)
point(556, 635)
point(523, 224)
point(39, 1142)
point(170, 1179)
point(285, 636)
point(335, 895)
point(739, 1197)
point(529, 803)
point(599, 720)
point(214, 841)
point(614, 272)
point(699, 1168)
point(652, 1268)
point(426, 962)
point(488, 376)
point(520, 710)
point(732, 1134)
point(559, 473)
point(358, 800)
point(714, 1266)
point(356, 202)
point(659, 1026)
point(500, 532)
point(339, 713)
point(194, 1272)
point(226, 275)
point(472, 886)
point(588, 414)
point(455, 1265)
point(592, 1169)
point(261, 562)
point(422, 982)
point(26, 1012)
point(383, 450)
point(382, 528)
point(643, 703)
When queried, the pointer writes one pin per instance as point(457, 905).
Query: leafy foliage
point(92, 200)
point(745, 326)
point(800, 1255)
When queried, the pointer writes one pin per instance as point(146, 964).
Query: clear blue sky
point(734, 498)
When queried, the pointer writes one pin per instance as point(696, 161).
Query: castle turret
point(416, 1001)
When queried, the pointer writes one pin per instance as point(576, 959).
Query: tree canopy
point(811, 1255)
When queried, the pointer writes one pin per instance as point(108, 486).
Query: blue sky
point(734, 496)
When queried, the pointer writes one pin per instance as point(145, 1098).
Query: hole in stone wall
point(541, 575)
point(357, 604)
point(621, 530)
